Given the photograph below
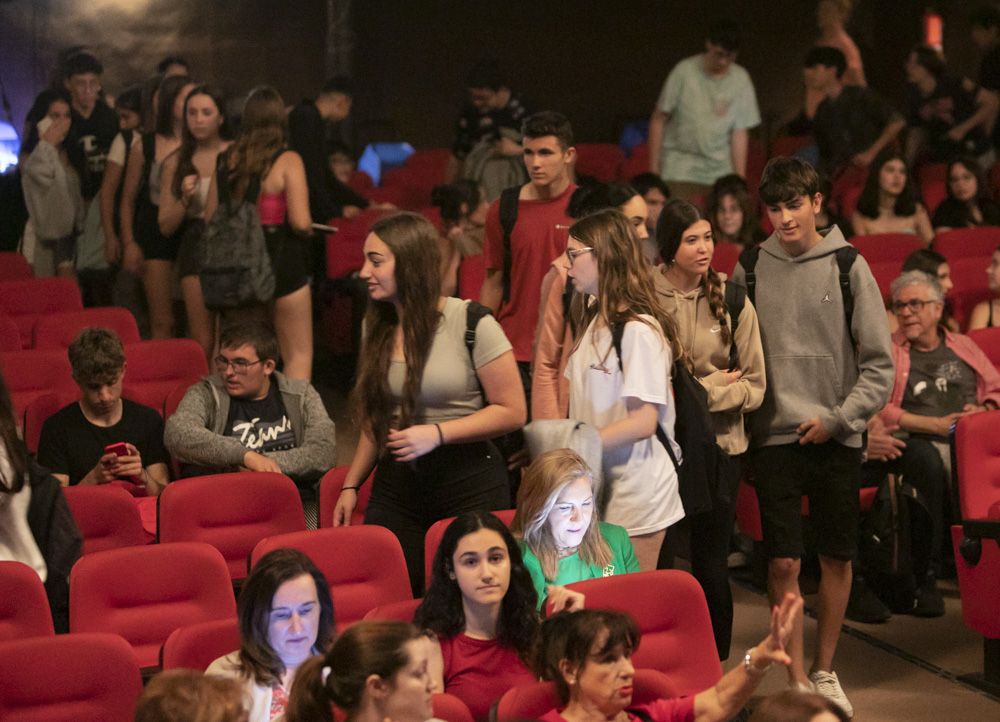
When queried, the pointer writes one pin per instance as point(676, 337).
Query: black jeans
point(408, 497)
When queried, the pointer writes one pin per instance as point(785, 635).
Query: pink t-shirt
point(680, 709)
point(479, 671)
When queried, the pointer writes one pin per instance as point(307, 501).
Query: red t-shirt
point(479, 671)
point(538, 237)
point(679, 709)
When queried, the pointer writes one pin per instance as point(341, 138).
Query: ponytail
point(712, 285)
point(309, 700)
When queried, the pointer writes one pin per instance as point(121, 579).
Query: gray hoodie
point(194, 433)
point(813, 369)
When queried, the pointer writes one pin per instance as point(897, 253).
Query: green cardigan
point(573, 569)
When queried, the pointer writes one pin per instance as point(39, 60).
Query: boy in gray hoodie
point(829, 369)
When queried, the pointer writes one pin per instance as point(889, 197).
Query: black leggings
point(407, 498)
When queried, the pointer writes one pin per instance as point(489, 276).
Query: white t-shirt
point(17, 543)
point(640, 480)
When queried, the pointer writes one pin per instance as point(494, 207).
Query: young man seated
point(250, 416)
point(77, 442)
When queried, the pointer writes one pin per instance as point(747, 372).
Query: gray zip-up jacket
point(813, 369)
point(194, 434)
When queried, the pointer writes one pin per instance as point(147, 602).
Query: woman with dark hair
point(51, 185)
point(948, 115)
point(731, 212)
point(795, 706)
point(561, 317)
point(625, 392)
point(694, 294)
point(968, 203)
point(375, 671)
point(562, 537)
point(36, 526)
point(187, 178)
point(481, 604)
point(588, 656)
point(427, 405)
point(261, 152)
point(986, 314)
point(128, 106)
point(145, 250)
point(286, 616)
point(888, 202)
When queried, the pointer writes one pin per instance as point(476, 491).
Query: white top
point(640, 479)
point(260, 696)
point(17, 543)
point(197, 207)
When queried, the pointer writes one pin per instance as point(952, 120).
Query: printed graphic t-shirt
point(261, 425)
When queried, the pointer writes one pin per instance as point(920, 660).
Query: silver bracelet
point(750, 668)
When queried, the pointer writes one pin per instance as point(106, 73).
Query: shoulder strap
point(846, 255)
point(508, 218)
point(735, 300)
point(640, 713)
point(617, 332)
point(748, 260)
point(253, 187)
point(474, 313)
point(222, 178)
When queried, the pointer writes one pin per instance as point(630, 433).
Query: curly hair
point(442, 610)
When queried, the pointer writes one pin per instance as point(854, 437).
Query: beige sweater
point(702, 341)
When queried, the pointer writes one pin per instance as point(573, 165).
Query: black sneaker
point(864, 606)
point(929, 602)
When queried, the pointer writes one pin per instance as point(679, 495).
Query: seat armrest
point(981, 529)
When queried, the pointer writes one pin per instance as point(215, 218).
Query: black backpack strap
point(846, 255)
point(148, 157)
point(508, 218)
point(617, 332)
point(222, 178)
point(474, 313)
point(736, 298)
point(748, 260)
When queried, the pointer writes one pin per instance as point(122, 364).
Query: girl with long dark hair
point(889, 203)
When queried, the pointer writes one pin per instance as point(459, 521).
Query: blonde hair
point(540, 488)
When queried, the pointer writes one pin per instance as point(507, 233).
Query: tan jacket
point(702, 341)
point(553, 345)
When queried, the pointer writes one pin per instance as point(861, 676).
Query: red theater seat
point(450, 708)
point(670, 609)
point(401, 611)
point(789, 145)
point(887, 246)
point(329, 491)
point(885, 272)
point(231, 512)
point(58, 330)
point(196, 646)
point(599, 160)
point(14, 267)
point(10, 335)
point(69, 678)
point(531, 701)
point(24, 607)
point(32, 374)
point(106, 516)
point(725, 257)
point(988, 339)
point(144, 593)
point(971, 285)
point(156, 368)
point(35, 415)
point(432, 539)
point(363, 565)
point(965, 242)
point(636, 163)
point(471, 274)
point(344, 249)
point(29, 300)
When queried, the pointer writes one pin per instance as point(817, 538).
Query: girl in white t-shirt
point(626, 400)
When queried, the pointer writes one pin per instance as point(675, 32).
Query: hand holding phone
point(121, 450)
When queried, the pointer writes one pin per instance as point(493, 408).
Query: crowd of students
point(597, 300)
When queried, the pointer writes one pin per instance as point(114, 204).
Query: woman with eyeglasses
point(627, 398)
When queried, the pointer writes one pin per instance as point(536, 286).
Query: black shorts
point(289, 256)
point(155, 246)
point(830, 476)
point(191, 232)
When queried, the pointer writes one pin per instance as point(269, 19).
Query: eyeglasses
point(914, 305)
point(572, 253)
point(240, 365)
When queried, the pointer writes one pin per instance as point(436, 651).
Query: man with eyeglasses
point(250, 416)
point(940, 377)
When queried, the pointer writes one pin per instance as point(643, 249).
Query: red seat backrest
point(450, 708)
point(401, 611)
point(971, 285)
point(885, 272)
point(432, 539)
point(156, 368)
point(977, 454)
point(965, 242)
point(599, 160)
point(933, 192)
point(196, 646)
point(78, 677)
point(28, 300)
point(329, 491)
point(358, 581)
point(531, 701)
point(144, 593)
point(636, 163)
point(725, 257)
point(31, 374)
point(471, 274)
point(887, 246)
point(106, 516)
point(24, 607)
point(231, 512)
point(35, 414)
point(988, 339)
point(57, 330)
point(669, 607)
point(10, 334)
point(345, 248)
point(14, 267)
point(789, 144)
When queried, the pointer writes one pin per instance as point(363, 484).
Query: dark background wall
point(599, 62)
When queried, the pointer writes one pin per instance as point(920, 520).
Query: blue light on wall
point(10, 145)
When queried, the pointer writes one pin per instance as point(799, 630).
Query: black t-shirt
point(72, 445)
point(473, 126)
point(989, 78)
point(952, 102)
point(952, 213)
point(262, 425)
point(88, 143)
point(848, 124)
point(940, 383)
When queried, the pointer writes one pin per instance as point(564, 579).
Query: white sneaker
point(806, 687)
point(827, 684)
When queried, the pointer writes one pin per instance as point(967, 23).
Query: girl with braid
point(693, 294)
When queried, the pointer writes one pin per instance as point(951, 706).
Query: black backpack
point(235, 269)
point(697, 473)
point(884, 548)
